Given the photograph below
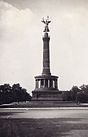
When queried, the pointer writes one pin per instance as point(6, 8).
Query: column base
point(47, 95)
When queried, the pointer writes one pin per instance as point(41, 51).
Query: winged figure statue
point(46, 22)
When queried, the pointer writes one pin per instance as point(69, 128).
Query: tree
point(66, 96)
point(15, 93)
point(84, 88)
point(5, 93)
point(19, 93)
point(74, 92)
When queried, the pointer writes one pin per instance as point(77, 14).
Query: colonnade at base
point(46, 82)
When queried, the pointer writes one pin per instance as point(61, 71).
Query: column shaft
point(46, 56)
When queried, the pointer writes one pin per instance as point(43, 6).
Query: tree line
point(76, 94)
point(14, 93)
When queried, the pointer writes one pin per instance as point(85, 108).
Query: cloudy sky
point(21, 34)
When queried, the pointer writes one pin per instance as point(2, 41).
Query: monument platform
point(42, 104)
point(47, 95)
point(51, 103)
point(46, 88)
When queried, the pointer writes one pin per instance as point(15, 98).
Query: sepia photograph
point(43, 68)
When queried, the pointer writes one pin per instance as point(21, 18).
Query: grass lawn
point(59, 127)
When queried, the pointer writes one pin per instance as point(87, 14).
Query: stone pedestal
point(46, 88)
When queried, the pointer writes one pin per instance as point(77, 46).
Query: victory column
point(46, 85)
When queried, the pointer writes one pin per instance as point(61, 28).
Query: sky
point(21, 45)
